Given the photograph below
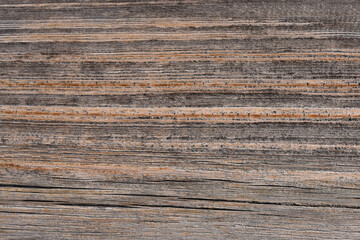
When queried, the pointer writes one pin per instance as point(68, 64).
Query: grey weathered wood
point(179, 119)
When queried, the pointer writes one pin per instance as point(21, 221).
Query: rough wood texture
point(179, 119)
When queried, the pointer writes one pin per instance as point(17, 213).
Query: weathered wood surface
point(179, 119)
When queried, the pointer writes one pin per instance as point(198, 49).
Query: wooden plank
point(179, 119)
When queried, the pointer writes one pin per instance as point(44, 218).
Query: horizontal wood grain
point(188, 119)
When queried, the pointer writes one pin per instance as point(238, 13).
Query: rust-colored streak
point(172, 114)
